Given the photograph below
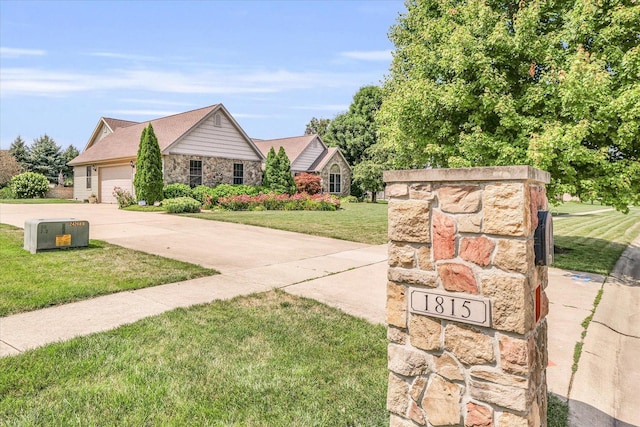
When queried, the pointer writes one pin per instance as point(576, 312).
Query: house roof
point(293, 146)
point(327, 155)
point(123, 142)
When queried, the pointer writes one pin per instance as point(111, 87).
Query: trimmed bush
point(308, 183)
point(201, 192)
point(350, 199)
point(172, 191)
point(181, 205)
point(29, 185)
point(7, 193)
point(209, 196)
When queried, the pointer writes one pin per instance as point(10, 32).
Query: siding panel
point(223, 141)
point(308, 156)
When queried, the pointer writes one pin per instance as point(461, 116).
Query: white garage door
point(115, 176)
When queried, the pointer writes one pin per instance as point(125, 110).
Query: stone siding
point(60, 192)
point(215, 170)
point(345, 175)
point(470, 232)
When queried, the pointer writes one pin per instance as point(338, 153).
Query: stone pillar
point(466, 303)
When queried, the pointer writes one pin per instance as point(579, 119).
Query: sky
point(273, 64)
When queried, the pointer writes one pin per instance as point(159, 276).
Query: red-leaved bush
point(308, 183)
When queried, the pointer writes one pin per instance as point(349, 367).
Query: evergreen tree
point(148, 181)
point(269, 168)
point(20, 151)
point(69, 154)
point(45, 158)
point(284, 182)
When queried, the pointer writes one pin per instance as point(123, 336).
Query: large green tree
point(20, 151)
point(45, 158)
point(277, 172)
point(355, 130)
point(553, 84)
point(148, 180)
point(69, 154)
point(317, 127)
point(368, 176)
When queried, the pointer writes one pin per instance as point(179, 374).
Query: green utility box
point(57, 233)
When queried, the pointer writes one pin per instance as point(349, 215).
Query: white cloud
point(38, 82)
point(368, 55)
point(10, 52)
point(157, 102)
point(115, 55)
point(146, 113)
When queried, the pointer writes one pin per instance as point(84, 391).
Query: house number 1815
point(454, 306)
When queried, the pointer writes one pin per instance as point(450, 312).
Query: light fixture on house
point(94, 168)
point(133, 165)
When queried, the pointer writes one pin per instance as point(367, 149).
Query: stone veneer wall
point(467, 231)
point(60, 192)
point(215, 170)
point(345, 175)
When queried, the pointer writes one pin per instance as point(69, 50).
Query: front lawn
point(29, 282)
point(37, 201)
point(594, 242)
point(264, 360)
point(357, 222)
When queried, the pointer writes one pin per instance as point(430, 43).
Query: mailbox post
point(466, 303)
point(56, 233)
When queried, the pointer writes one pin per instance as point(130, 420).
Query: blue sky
point(273, 64)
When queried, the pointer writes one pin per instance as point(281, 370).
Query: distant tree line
point(43, 156)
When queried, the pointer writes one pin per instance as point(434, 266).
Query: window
point(88, 177)
point(217, 120)
point(238, 173)
point(195, 173)
point(334, 179)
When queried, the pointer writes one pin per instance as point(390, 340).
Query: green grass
point(594, 242)
point(357, 222)
point(148, 208)
point(48, 278)
point(575, 207)
point(557, 411)
point(266, 360)
point(37, 201)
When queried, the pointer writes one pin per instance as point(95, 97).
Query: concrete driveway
point(224, 246)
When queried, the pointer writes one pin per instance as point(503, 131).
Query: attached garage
point(115, 176)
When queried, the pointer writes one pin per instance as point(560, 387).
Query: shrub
point(181, 204)
point(123, 197)
point(308, 183)
point(350, 199)
point(29, 185)
point(213, 194)
point(274, 201)
point(201, 192)
point(7, 193)
point(172, 191)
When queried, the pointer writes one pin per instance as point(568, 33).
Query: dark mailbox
point(543, 239)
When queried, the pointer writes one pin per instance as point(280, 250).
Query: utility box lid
point(55, 233)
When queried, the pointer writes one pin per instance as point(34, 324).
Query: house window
point(195, 173)
point(334, 179)
point(88, 177)
point(238, 173)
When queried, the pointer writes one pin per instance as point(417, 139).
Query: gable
point(215, 138)
point(309, 155)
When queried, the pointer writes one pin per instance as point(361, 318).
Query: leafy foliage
point(355, 131)
point(172, 191)
point(9, 167)
point(148, 180)
point(123, 197)
point(368, 176)
point(29, 185)
point(7, 193)
point(550, 84)
point(274, 201)
point(181, 205)
point(308, 183)
point(317, 127)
